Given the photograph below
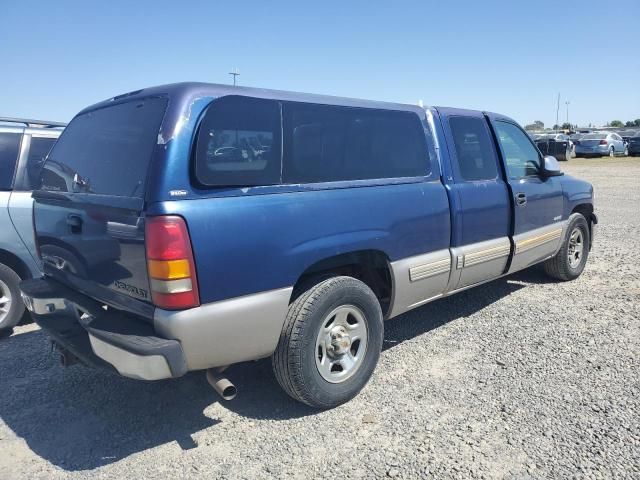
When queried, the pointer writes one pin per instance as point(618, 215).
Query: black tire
point(559, 267)
point(294, 360)
point(612, 152)
point(16, 310)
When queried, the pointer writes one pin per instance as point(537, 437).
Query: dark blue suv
point(194, 226)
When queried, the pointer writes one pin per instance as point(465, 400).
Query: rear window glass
point(106, 151)
point(594, 136)
point(239, 143)
point(9, 149)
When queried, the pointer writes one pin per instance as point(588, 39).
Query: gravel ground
point(520, 378)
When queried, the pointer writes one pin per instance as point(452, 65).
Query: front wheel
point(330, 343)
point(626, 150)
point(571, 259)
point(11, 306)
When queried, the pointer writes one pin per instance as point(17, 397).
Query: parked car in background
point(598, 144)
point(555, 144)
point(573, 138)
point(246, 223)
point(24, 145)
point(633, 146)
point(628, 134)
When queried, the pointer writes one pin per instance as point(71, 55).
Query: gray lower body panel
point(416, 280)
point(229, 331)
point(479, 262)
point(536, 245)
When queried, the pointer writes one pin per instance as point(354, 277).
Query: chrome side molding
point(538, 240)
point(430, 269)
point(487, 254)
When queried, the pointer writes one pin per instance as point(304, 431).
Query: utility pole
point(235, 73)
point(558, 112)
point(567, 104)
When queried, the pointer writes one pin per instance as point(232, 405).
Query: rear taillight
point(603, 142)
point(172, 272)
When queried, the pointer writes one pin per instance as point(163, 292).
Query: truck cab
point(195, 226)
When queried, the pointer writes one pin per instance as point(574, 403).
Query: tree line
point(538, 125)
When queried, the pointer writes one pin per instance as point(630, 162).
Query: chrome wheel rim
point(576, 248)
point(611, 153)
point(5, 301)
point(341, 343)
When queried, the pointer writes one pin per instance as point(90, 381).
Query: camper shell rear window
point(106, 151)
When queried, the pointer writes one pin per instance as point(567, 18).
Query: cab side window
point(476, 159)
point(521, 158)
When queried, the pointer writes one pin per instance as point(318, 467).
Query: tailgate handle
point(75, 222)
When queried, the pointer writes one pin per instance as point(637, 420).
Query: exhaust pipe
point(221, 384)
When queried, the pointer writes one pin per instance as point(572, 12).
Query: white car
point(23, 146)
point(598, 144)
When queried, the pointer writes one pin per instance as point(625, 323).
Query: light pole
point(235, 73)
point(567, 104)
point(557, 114)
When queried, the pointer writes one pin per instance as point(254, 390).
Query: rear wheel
point(330, 342)
point(571, 259)
point(612, 152)
point(11, 306)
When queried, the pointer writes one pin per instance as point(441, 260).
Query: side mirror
point(551, 167)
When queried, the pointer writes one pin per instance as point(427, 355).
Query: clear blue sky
point(507, 56)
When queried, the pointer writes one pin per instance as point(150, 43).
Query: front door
point(538, 224)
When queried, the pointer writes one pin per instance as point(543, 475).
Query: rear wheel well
point(14, 263)
point(369, 266)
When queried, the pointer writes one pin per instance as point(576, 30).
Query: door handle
point(521, 199)
point(75, 223)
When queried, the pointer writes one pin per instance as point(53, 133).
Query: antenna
point(235, 73)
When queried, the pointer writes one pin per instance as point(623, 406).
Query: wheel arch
point(370, 266)
point(587, 211)
point(15, 263)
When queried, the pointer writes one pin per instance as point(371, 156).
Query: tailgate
point(88, 213)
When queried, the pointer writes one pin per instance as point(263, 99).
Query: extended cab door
point(537, 200)
point(479, 197)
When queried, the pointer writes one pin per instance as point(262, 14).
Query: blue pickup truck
point(194, 226)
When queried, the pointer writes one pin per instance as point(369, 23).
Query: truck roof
point(193, 90)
